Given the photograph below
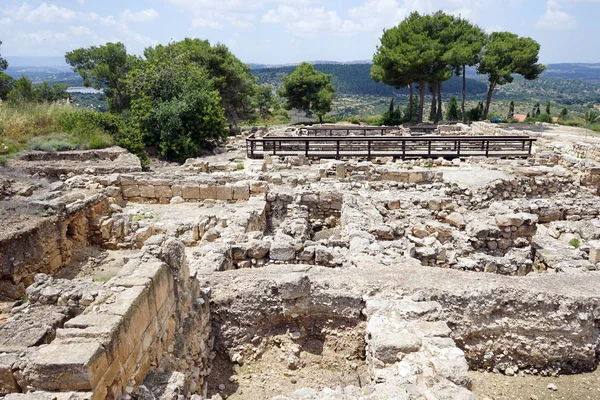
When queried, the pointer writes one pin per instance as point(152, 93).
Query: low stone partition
point(55, 164)
point(150, 317)
point(505, 232)
point(528, 187)
point(45, 245)
point(367, 171)
point(141, 189)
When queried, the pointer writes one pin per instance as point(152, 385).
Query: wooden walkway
point(403, 147)
point(340, 130)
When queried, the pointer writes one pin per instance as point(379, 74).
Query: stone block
point(176, 190)
point(241, 192)
point(8, 383)
point(594, 251)
point(258, 249)
point(282, 251)
point(131, 191)
point(147, 191)
point(224, 193)
point(67, 367)
point(190, 192)
point(259, 187)
point(163, 191)
point(385, 346)
point(208, 192)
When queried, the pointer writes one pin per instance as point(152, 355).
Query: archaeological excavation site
point(451, 262)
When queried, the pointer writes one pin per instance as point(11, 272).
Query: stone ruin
point(295, 278)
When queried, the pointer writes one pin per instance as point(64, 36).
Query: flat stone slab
point(31, 329)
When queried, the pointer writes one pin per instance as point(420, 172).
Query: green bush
point(575, 243)
point(569, 123)
point(52, 144)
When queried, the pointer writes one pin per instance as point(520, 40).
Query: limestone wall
point(47, 245)
point(141, 189)
point(150, 317)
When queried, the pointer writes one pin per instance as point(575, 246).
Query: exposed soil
point(285, 365)
point(532, 387)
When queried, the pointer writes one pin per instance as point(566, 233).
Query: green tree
point(393, 116)
point(564, 114)
point(506, 54)
point(453, 113)
point(3, 62)
point(230, 77)
point(175, 106)
point(265, 100)
point(476, 113)
point(511, 110)
point(22, 92)
point(105, 67)
point(7, 83)
point(548, 108)
point(591, 117)
point(50, 93)
point(536, 110)
point(413, 52)
point(309, 90)
point(467, 44)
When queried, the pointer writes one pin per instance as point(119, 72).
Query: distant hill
point(583, 72)
point(356, 79)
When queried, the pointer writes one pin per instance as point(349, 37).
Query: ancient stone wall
point(140, 189)
point(48, 245)
point(151, 316)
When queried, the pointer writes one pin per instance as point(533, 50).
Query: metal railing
point(390, 146)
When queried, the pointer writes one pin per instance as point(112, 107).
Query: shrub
point(575, 243)
point(52, 144)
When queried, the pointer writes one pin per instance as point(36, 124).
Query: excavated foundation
point(290, 280)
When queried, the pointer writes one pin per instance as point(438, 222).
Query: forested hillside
point(355, 79)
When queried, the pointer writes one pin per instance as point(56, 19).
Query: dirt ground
point(286, 366)
point(527, 387)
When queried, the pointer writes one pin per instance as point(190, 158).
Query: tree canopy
point(230, 77)
point(426, 49)
point(506, 54)
point(175, 105)
point(3, 62)
point(413, 52)
point(308, 89)
point(105, 67)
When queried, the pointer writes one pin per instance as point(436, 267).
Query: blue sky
point(284, 31)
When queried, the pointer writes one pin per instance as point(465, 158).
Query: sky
point(284, 31)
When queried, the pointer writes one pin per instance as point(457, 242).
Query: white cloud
point(106, 21)
point(147, 15)
point(44, 13)
point(555, 18)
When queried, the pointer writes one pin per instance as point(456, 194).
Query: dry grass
point(38, 126)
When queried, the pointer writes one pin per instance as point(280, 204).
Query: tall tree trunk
point(320, 119)
point(421, 102)
point(438, 116)
point(410, 102)
point(486, 110)
point(464, 93)
point(432, 111)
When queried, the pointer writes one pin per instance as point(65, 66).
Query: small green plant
point(24, 299)
point(575, 243)
point(239, 166)
point(101, 279)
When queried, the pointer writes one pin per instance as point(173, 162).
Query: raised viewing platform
point(403, 147)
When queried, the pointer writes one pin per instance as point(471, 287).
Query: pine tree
point(452, 114)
